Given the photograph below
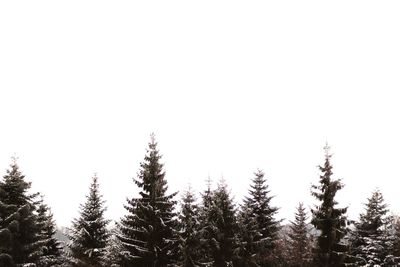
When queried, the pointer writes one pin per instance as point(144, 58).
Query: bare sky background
point(227, 86)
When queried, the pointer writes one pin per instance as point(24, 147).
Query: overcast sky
point(227, 86)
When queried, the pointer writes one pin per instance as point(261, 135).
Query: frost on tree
point(372, 241)
point(258, 204)
point(329, 220)
point(18, 222)
point(89, 234)
point(189, 232)
point(148, 233)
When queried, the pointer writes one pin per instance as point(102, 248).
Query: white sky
point(227, 86)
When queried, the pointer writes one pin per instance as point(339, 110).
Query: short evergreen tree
point(148, 232)
point(372, 240)
point(189, 231)
point(221, 228)
point(89, 235)
point(114, 247)
point(259, 205)
point(51, 248)
point(18, 222)
point(300, 241)
point(329, 220)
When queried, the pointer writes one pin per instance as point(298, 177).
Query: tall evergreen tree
point(149, 230)
point(221, 228)
point(330, 221)
point(372, 240)
point(300, 241)
point(259, 204)
point(204, 224)
point(89, 235)
point(18, 222)
point(189, 232)
point(51, 252)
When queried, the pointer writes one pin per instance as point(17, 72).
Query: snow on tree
point(300, 240)
point(259, 205)
point(250, 242)
point(114, 247)
point(330, 221)
point(189, 231)
point(51, 248)
point(220, 227)
point(148, 232)
point(89, 235)
point(18, 222)
point(372, 240)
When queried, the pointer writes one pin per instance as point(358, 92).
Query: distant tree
point(89, 235)
point(205, 224)
point(148, 233)
point(331, 222)
point(18, 222)
point(51, 248)
point(220, 228)
point(189, 231)
point(258, 203)
point(300, 241)
point(114, 247)
point(372, 240)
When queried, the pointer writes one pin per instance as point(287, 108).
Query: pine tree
point(18, 222)
point(204, 224)
point(149, 231)
point(330, 221)
point(372, 240)
point(221, 228)
point(300, 241)
point(189, 234)
point(259, 204)
point(51, 253)
point(89, 235)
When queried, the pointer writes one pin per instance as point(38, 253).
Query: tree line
point(159, 231)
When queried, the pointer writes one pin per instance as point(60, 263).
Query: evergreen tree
point(204, 224)
point(51, 253)
point(259, 205)
point(113, 249)
point(372, 239)
point(149, 231)
point(221, 227)
point(89, 235)
point(329, 220)
point(18, 222)
point(189, 234)
point(300, 242)
point(249, 240)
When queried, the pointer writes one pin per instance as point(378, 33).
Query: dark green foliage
point(220, 228)
point(372, 240)
point(189, 232)
point(300, 241)
point(89, 234)
point(329, 220)
point(249, 243)
point(51, 251)
point(18, 220)
point(259, 205)
point(149, 232)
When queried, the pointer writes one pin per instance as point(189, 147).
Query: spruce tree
point(51, 251)
point(372, 240)
point(249, 240)
point(189, 231)
point(204, 224)
point(259, 204)
point(18, 222)
point(300, 241)
point(148, 232)
point(221, 228)
point(89, 235)
point(329, 220)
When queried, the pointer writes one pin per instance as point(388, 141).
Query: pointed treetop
point(327, 149)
